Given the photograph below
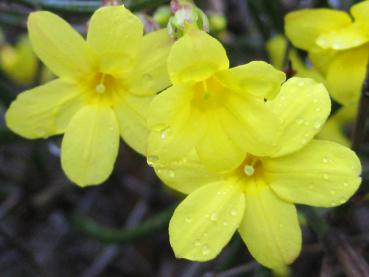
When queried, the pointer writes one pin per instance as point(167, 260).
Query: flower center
point(208, 94)
point(249, 170)
point(251, 166)
point(103, 87)
point(100, 87)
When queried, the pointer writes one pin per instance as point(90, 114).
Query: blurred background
point(51, 227)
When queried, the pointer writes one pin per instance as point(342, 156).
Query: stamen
point(249, 170)
point(100, 88)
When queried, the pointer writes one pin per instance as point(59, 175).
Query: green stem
point(111, 235)
point(315, 221)
point(88, 6)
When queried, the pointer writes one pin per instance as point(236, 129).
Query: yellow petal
point(249, 123)
point(321, 58)
point(302, 70)
point(116, 34)
point(131, 112)
point(195, 57)
point(198, 232)
point(360, 13)
point(255, 78)
point(187, 174)
point(58, 45)
point(270, 227)
point(45, 110)
point(304, 26)
point(19, 63)
point(346, 75)
point(334, 128)
point(303, 106)
point(216, 149)
point(90, 145)
point(345, 38)
point(175, 125)
point(150, 74)
point(321, 174)
point(276, 47)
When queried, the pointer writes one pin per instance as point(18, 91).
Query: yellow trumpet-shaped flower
point(219, 112)
point(257, 198)
point(104, 87)
point(19, 63)
point(337, 45)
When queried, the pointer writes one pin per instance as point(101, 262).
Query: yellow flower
point(104, 87)
point(218, 111)
point(335, 129)
point(257, 197)
point(276, 47)
point(19, 63)
point(337, 45)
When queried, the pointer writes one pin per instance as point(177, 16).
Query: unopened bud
point(186, 14)
point(162, 15)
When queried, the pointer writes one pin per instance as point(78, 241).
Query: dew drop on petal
point(188, 219)
point(214, 217)
point(205, 250)
point(317, 124)
point(299, 121)
point(197, 243)
point(151, 159)
point(233, 212)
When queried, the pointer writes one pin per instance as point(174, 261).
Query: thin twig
point(353, 264)
point(26, 253)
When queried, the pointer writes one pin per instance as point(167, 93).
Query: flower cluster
point(239, 141)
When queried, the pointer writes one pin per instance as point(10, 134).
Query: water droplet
point(147, 79)
point(188, 219)
point(151, 159)
point(299, 121)
point(325, 176)
point(100, 88)
point(171, 173)
point(197, 243)
point(233, 212)
point(249, 170)
point(283, 98)
point(345, 184)
point(317, 124)
point(165, 133)
point(317, 109)
point(325, 160)
point(205, 250)
point(214, 217)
